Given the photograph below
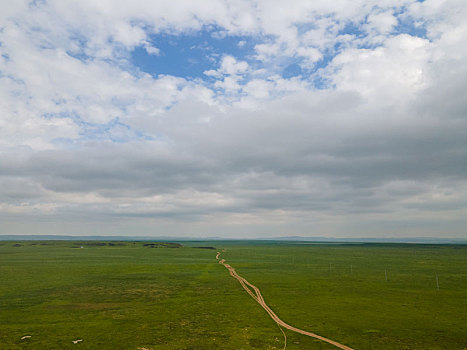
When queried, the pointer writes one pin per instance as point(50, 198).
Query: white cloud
point(310, 54)
point(151, 49)
point(389, 73)
point(129, 35)
point(231, 66)
point(265, 51)
point(383, 134)
point(382, 23)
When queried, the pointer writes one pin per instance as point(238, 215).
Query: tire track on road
point(256, 295)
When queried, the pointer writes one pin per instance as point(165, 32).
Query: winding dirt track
point(256, 294)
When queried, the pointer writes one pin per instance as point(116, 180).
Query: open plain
point(130, 295)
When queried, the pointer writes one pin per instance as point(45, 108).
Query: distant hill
point(94, 238)
point(375, 239)
point(427, 240)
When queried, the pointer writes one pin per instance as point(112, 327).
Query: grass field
point(128, 295)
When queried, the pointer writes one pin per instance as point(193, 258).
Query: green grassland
point(129, 295)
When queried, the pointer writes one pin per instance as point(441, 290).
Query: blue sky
point(189, 55)
point(233, 118)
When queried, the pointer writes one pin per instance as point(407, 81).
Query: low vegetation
point(162, 245)
point(122, 295)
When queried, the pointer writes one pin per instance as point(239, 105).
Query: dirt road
point(256, 294)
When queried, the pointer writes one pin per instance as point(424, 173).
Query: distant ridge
point(448, 240)
point(98, 238)
point(426, 240)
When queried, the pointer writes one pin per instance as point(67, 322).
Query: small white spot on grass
point(77, 341)
point(25, 337)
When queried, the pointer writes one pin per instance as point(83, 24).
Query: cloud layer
point(344, 118)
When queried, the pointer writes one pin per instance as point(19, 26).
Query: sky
point(237, 119)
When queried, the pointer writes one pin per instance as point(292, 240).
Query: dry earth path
point(256, 294)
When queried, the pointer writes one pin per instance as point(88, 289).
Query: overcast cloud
point(234, 118)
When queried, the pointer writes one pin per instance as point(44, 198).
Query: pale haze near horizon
point(234, 118)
